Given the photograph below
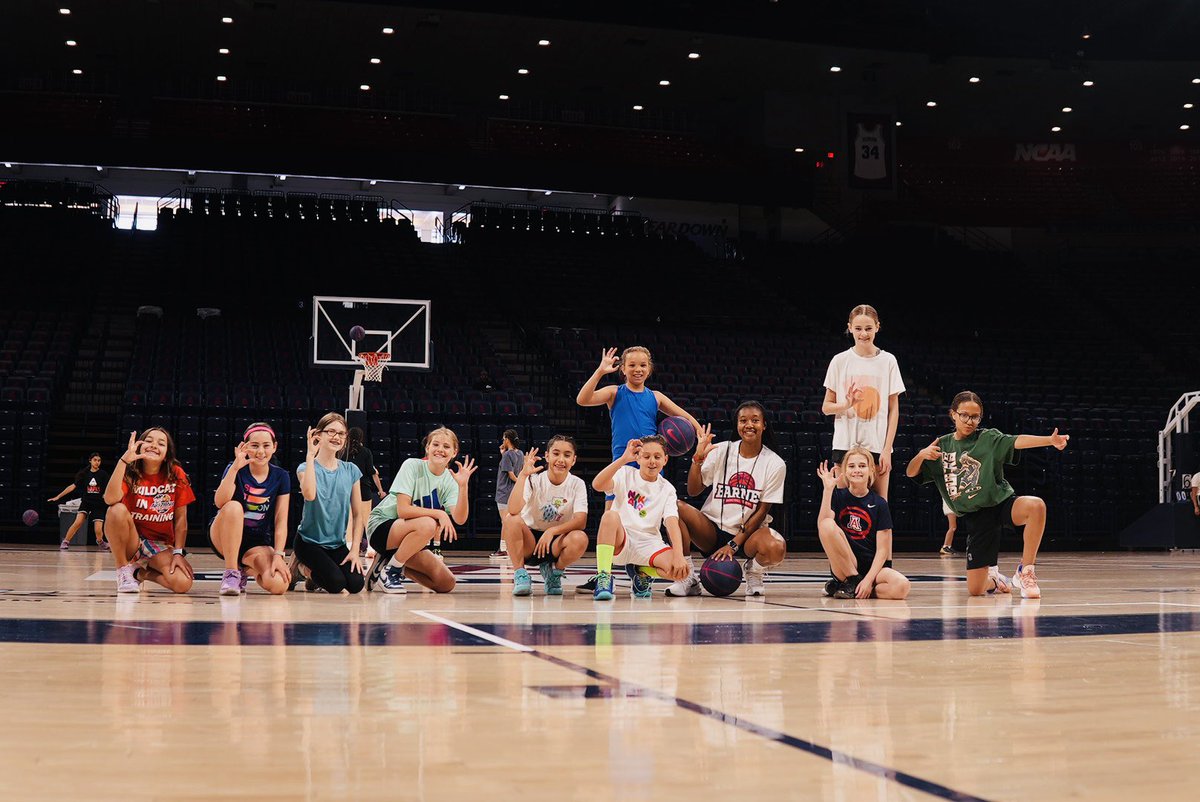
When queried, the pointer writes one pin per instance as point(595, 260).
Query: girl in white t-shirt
point(554, 506)
point(747, 480)
point(862, 392)
point(643, 502)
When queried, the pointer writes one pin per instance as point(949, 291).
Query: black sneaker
point(588, 587)
point(847, 588)
point(831, 587)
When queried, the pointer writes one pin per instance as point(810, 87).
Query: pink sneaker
point(103, 544)
point(230, 582)
point(126, 581)
point(1026, 579)
point(66, 544)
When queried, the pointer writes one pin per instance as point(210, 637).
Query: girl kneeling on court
point(331, 498)
point(643, 502)
point(554, 506)
point(146, 523)
point(967, 467)
point(425, 501)
point(249, 531)
point(855, 528)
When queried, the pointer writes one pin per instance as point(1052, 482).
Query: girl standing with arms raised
point(862, 393)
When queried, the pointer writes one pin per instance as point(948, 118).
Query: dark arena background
point(1014, 186)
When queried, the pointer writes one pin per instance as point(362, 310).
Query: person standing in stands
point(511, 460)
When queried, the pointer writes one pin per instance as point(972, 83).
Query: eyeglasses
point(334, 435)
point(969, 418)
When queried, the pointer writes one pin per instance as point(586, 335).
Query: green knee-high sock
point(604, 558)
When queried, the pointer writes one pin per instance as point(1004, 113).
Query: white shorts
point(640, 548)
point(946, 509)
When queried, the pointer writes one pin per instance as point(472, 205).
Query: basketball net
point(373, 364)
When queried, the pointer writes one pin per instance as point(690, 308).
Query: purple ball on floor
point(721, 577)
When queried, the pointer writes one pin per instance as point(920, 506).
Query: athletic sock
point(649, 570)
point(757, 567)
point(604, 558)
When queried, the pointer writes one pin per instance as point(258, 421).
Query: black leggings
point(325, 565)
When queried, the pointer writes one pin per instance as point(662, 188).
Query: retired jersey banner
point(871, 145)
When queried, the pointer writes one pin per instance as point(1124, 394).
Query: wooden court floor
point(1091, 693)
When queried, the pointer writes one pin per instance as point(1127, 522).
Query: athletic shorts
point(251, 539)
point(148, 549)
point(946, 509)
point(838, 454)
point(864, 567)
point(95, 510)
point(531, 559)
point(723, 537)
point(984, 528)
point(640, 549)
point(377, 535)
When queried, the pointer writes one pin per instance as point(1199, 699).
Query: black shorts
point(251, 539)
point(838, 454)
point(984, 528)
point(723, 538)
point(94, 510)
point(532, 559)
point(377, 535)
point(864, 564)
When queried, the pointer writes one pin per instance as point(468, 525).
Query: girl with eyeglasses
point(967, 467)
point(332, 497)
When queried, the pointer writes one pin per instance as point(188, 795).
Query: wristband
point(180, 552)
point(122, 459)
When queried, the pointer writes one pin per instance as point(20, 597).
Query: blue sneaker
point(552, 577)
point(642, 583)
point(604, 586)
point(391, 580)
point(522, 584)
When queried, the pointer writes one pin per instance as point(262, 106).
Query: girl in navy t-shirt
point(855, 527)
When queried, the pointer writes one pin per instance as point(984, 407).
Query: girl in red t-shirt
point(148, 495)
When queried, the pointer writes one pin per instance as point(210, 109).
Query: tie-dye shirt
point(258, 498)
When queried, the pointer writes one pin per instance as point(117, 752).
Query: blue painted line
point(841, 630)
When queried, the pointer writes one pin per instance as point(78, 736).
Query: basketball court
point(1089, 693)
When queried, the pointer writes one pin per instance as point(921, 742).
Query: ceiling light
point(373, 182)
point(1184, 127)
point(931, 104)
point(835, 69)
point(71, 43)
point(374, 61)
point(1066, 109)
point(221, 78)
point(898, 123)
point(1086, 35)
point(64, 11)
point(8, 165)
point(1187, 105)
point(1056, 129)
point(693, 56)
point(1196, 80)
point(224, 51)
point(504, 97)
point(99, 169)
point(77, 72)
point(522, 71)
point(281, 178)
point(227, 20)
point(1089, 83)
point(544, 42)
point(664, 82)
point(389, 31)
point(365, 87)
point(462, 186)
point(548, 192)
point(637, 107)
point(799, 150)
point(974, 79)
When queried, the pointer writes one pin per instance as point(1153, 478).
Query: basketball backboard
point(399, 326)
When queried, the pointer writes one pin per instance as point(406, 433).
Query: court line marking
point(876, 770)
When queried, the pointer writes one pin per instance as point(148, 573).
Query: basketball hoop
point(373, 364)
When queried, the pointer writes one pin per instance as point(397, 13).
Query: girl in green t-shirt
point(967, 467)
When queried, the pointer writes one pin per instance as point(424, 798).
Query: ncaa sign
point(1044, 152)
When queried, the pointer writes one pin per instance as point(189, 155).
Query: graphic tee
point(153, 503)
point(970, 474)
point(548, 504)
point(861, 519)
point(643, 505)
point(90, 487)
point(876, 378)
point(423, 486)
point(258, 498)
point(739, 484)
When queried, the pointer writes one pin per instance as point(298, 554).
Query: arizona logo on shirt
point(739, 489)
point(855, 522)
point(638, 502)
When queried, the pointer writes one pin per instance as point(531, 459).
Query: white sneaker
point(127, 579)
point(1026, 579)
point(754, 579)
point(688, 586)
point(997, 577)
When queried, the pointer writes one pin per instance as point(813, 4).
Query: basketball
point(679, 434)
point(721, 577)
point(357, 333)
point(30, 517)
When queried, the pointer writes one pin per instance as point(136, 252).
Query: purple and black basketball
point(30, 517)
point(679, 434)
point(357, 333)
point(721, 577)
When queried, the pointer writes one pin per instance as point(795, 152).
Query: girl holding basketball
point(855, 528)
point(147, 498)
point(546, 516)
point(747, 480)
point(632, 406)
point(332, 497)
point(862, 393)
point(249, 531)
point(426, 500)
point(629, 530)
point(90, 484)
point(967, 467)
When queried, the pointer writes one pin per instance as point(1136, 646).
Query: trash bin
point(66, 517)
